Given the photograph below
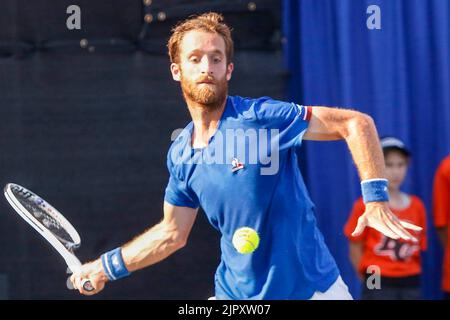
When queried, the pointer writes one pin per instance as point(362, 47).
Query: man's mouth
point(206, 80)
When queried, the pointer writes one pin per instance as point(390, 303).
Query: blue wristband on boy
point(374, 190)
point(113, 264)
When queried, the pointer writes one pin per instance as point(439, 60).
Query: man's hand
point(93, 272)
point(380, 217)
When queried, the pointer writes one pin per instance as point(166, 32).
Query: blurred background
point(87, 116)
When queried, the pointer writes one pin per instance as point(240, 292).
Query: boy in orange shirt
point(398, 261)
point(441, 212)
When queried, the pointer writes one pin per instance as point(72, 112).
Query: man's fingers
point(397, 227)
point(72, 280)
point(410, 226)
point(384, 229)
point(390, 221)
point(77, 285)
point(398, 223)
point(394, 228)
point(383, 220)
point(376, 224)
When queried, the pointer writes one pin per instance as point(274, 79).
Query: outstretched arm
point(359, 131)
point(162, 240)
point(152, 246)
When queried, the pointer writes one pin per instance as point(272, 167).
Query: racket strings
point(50, 222)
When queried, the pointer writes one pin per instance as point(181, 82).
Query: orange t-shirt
point(441, 212)
point(395, 258)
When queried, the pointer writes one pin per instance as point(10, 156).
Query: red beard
point(211, 96)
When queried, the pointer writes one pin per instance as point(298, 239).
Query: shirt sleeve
point(357, 211)
point(441, 195)
point(178, 193)
point(290, 120)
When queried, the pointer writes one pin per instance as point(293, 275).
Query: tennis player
point(267, 195)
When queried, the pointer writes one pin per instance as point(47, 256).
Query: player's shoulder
point(248, 107)
point(244, 103)
point(264, 108)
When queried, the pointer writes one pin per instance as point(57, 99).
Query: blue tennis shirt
point(248, 176)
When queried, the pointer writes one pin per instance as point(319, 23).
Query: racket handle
point(87, 285)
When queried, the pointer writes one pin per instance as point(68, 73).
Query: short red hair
point(210, 22)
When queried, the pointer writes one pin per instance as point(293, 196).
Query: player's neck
point(206, 121)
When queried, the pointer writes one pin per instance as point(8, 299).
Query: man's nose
point(205, 66)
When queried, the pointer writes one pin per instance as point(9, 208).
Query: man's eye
point(194, 59)
point(217, 60)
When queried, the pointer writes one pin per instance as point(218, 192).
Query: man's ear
point(176, 72)
point(230, 68)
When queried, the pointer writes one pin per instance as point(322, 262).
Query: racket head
point(45, 219)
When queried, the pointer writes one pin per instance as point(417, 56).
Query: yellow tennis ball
point(245, 240)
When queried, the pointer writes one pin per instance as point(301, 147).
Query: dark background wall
point(88, 126)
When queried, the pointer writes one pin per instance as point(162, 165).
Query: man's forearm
point(363, 142)
point(152, 246)
point(358, 130)
point(149, 248)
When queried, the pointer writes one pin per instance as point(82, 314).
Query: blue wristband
point(375, 190)
point(113, 264)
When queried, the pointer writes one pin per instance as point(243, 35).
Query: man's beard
point(210, 96)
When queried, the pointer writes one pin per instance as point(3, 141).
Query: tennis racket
point(49, 222)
